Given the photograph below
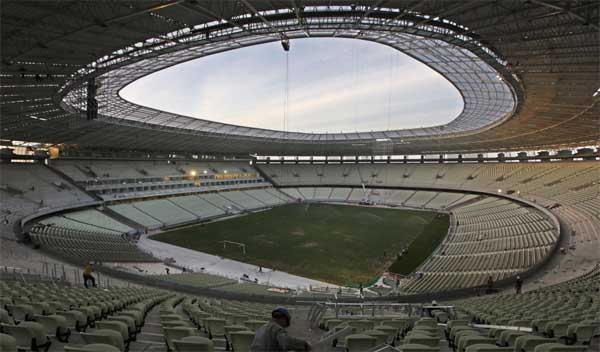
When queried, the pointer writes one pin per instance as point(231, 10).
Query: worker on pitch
point(273, 336)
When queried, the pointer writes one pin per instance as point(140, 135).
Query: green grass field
point(334, 243)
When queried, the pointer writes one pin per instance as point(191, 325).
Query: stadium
point(127, 225)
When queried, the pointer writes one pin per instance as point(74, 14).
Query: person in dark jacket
point(518, 285)
point(273, 336)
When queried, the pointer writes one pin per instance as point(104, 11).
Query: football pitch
point(339, 244)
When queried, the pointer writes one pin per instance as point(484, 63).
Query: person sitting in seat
point(273, 336)
point(87, 276)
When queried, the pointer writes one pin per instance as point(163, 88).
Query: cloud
point(334, 85)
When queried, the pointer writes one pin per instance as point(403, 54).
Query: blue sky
point(335, 85)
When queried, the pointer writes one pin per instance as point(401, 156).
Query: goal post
point(238, 244)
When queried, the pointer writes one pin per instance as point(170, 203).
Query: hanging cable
point(286, 92)
point(390, 87)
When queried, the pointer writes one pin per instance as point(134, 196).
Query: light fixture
point(193, 173)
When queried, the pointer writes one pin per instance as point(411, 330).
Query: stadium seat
point(527, 343)
point(8, 343)
point(508, 337)
point(486, 347)
point(105, 336)
point(413, 347)
point(381, 336)
point(20, 312)
point(5, 318)
point(75, 319)
point(193, 344)
point(176, 333)
point(232, 328)
point(468, 340)
point(390, 331)
point(559, 347)
point(359, 342)
point(423, 340)
point(242, 340)
point(94, 347)
point(55, 325)
point(28, 335)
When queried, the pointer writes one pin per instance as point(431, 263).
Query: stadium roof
point(527, 70)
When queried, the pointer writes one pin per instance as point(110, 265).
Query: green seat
point(232, 328)
point(487, 347)
point(55, 325)
point(216, 327)
point(462, 333)
point(193, 344)
point(527, 343)
point(381, 336)
point(75, 319)
point(365, 324)
point(94, 347)
point(559, 347)
point(5, 317)
point(401, 325)
point(20, 312)
point(359, 342)
point(423, 340)
point(414, 347)
point(583, 332)
point(129, 321)
point(508, 337)
point(8, 343)
point(242, 340)
point(452, 324)
point(468, 340)
point(104, 336)
point(427, 322)
point(28, 335)
point(390, 331)
point(457, 329)
point(169, 317)
point(176, 333)
point(117, 326)
point(440, 316)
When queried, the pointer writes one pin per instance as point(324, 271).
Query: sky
point(333, 85)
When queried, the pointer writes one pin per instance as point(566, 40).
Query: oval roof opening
point(325, 85)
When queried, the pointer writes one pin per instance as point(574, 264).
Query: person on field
point(518, 285)
point(273, 336)
point(87, 276)
point(490, 285)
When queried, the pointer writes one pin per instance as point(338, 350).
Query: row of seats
point(415, 199)
point(37, 315)
point(569, 311)
point(84, 246)
point(98, 170)
point(571, 184)
point(28, 188)
point(173, 211)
